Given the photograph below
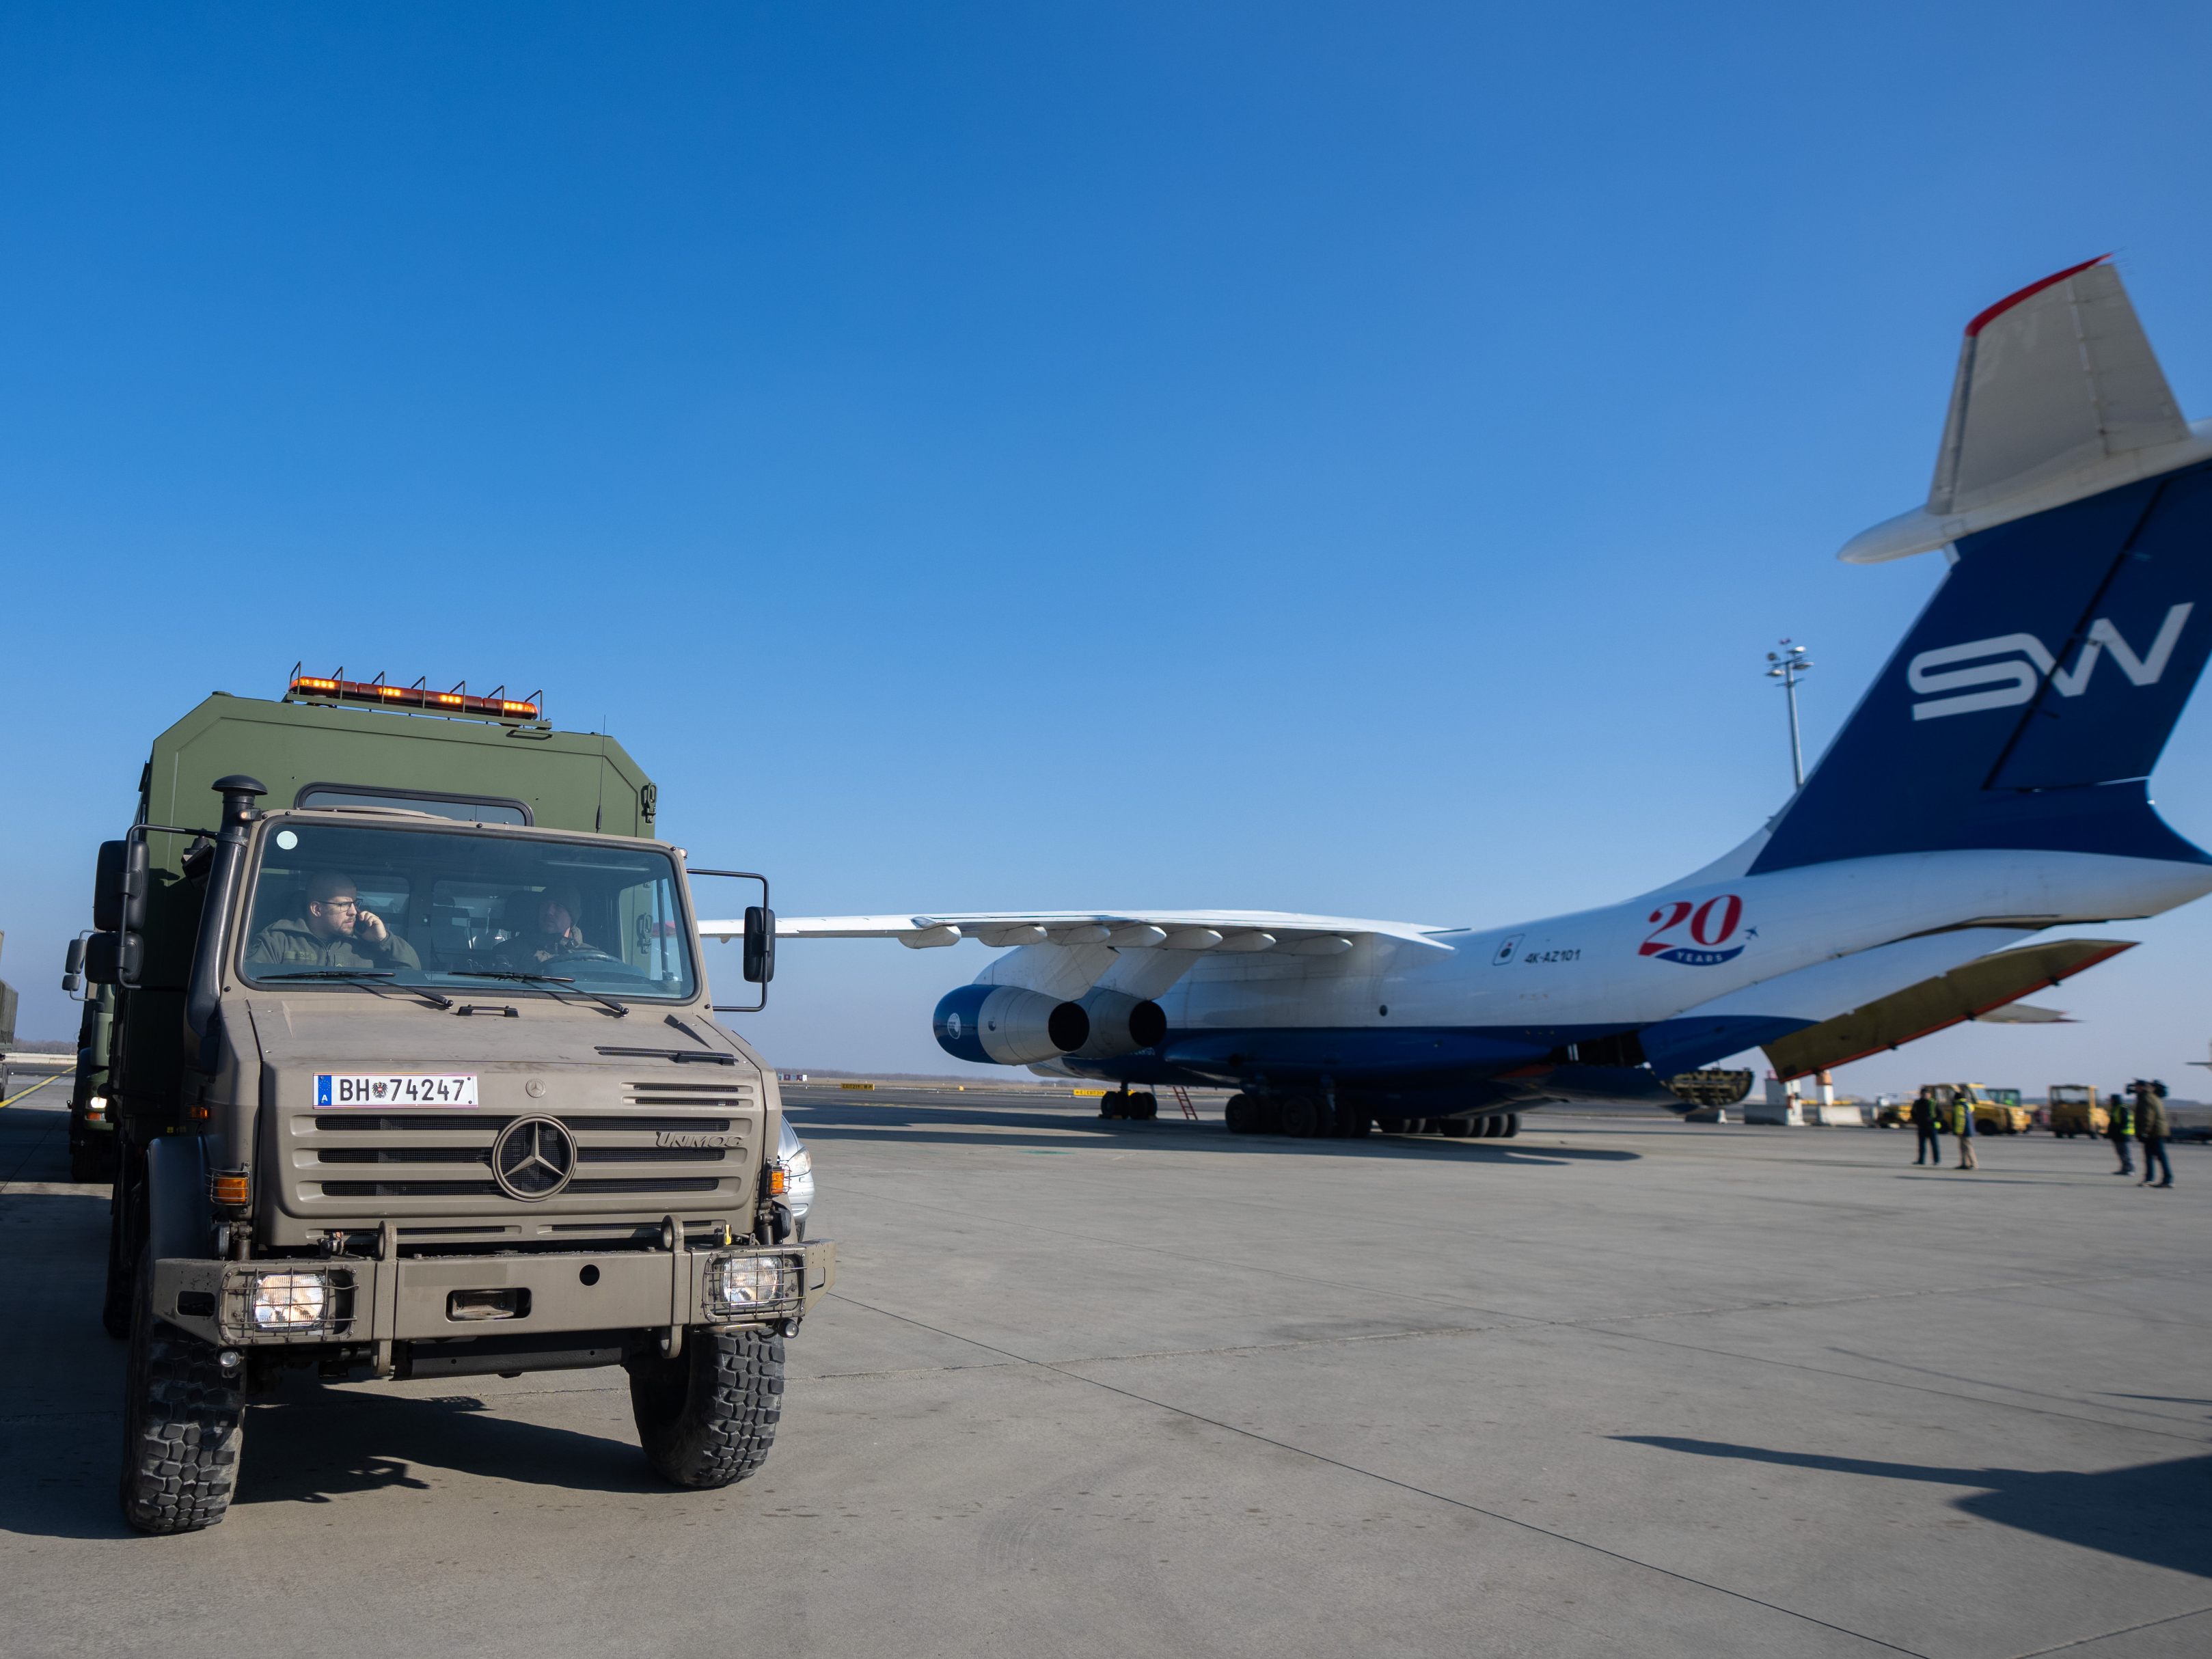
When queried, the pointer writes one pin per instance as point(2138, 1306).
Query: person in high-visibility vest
point(1962, 1125)
point(2121, 1126)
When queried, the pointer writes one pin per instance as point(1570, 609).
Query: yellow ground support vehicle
point(1997, 1111)
point(2073, 1111)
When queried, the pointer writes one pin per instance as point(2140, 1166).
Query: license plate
point(337, 1088)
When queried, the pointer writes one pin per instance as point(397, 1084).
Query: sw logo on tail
point(2015, 680)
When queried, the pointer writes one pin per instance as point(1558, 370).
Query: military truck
point(413, 1072)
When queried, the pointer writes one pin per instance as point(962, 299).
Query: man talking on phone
point(336, 933)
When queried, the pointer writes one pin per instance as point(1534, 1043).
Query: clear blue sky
point(1332, 458)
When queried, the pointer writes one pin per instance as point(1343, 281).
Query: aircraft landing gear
point(1139, 1106)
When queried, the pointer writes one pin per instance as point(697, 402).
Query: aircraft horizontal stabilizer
point(2025, 1013)
point(2058, 397)
point(1972, 991)
point(1227, 933)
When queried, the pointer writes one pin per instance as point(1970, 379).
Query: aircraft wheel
point(1145, 1107)
point(1242, 1115)
point(1114, 1104)
point(1492, 1127)
point(1301, 1116)
point(1456, 1129)
point(1512, 1124)
point(1356, 1122)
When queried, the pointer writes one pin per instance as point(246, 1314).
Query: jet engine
point(1119, 1024)
point(1006, 1025)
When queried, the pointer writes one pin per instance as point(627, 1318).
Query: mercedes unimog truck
point(411, 1070)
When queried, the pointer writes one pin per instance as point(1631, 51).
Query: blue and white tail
point(2033, 696)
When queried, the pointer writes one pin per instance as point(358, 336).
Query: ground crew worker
point(2120, 1129)
point(1962, 1125)
point(2151, 1130)
point(1926, 1149)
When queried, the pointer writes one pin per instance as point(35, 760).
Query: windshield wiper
point(367, 978)
point(617, 1009)
point(681, 1056)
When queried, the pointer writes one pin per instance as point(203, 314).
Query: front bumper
point(420, 1298)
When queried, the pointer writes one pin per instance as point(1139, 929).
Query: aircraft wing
point(1229, 932)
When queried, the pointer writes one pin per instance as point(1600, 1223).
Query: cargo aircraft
point(1989, 789)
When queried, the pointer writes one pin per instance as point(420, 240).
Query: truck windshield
point(447, 908)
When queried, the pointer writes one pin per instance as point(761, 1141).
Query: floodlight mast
point(1789, 664)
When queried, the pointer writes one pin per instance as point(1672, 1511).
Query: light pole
point(1789, 665)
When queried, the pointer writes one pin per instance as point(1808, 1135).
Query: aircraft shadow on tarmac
point(2153, 1512)
point(936, 1127)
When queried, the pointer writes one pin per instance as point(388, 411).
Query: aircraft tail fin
point(2032, 698)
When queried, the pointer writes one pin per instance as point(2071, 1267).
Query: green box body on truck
point(412, 1069)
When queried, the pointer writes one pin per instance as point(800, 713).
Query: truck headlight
point(739, 1285)
point(291, 1302)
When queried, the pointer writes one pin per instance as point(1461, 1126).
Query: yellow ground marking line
point(34, 1089)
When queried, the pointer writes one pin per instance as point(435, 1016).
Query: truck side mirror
point(107, 888)
point(759, 935)
point(760, 944)
point(73, 967)
point(121, 879)
point(111, 958)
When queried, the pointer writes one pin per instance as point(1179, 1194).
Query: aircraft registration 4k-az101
point(2019, 719)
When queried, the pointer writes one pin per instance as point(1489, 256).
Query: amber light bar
point(314, 688)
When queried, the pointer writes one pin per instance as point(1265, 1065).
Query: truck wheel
point(182, 1422)
point(708, 1417)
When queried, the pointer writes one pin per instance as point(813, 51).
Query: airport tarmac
point(1619, 1386)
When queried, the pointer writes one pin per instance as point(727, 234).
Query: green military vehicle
point(408, 1060)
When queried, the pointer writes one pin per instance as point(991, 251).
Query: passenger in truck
point(552, 931)
point(334, 933)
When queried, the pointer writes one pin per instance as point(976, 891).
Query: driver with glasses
point(336, 933)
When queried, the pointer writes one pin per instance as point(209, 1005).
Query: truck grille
point(440, 1162)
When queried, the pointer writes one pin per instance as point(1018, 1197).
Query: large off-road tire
point(183, 1420)
point(708, 1417)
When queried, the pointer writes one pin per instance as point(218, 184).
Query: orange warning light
point(316, 688)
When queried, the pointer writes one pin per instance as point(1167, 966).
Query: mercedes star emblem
point(534, 1157)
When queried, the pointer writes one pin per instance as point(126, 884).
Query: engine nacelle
point(1119, 1024)
point(1006, 1025)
